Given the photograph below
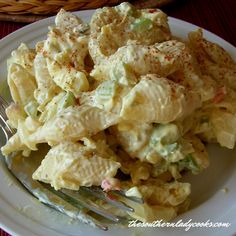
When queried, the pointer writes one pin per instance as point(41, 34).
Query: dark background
point(217, 16)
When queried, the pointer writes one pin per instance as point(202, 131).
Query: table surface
point(216, 16)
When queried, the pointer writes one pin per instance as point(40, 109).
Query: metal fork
point(76, 204)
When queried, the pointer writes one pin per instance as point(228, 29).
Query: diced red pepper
point(108, 185)
point(111, 197)
point(220, 95)
point(152, 10)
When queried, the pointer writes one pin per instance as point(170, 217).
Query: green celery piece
point(123, 74)
point(141, 24)
point(31, 109)
point(189, 163)
point(107, 89)
point(171, 147)
point(167, 149)
point(66, 101)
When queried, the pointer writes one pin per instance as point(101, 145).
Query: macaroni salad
point(122, 104)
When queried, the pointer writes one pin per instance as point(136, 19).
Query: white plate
point(21, 214)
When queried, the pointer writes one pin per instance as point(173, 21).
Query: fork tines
point(75, 204)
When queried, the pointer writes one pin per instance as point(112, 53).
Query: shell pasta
point(122, 104)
